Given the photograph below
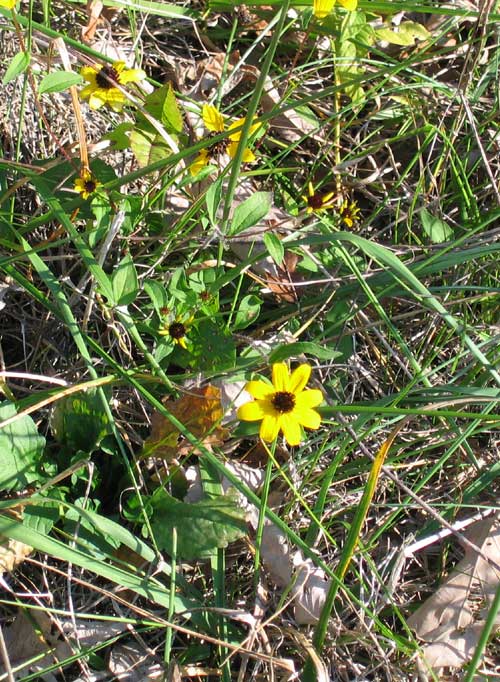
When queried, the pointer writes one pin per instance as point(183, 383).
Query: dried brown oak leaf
point(200, 411)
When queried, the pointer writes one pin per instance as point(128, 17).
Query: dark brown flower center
point(102, 77)
point(177, 330)
point(315, 201)
point(283, 401)
point(217, 148)
point(90, 186)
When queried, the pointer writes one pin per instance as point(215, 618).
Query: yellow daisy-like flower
point(214, 122)
point(177, 332)
point(285, 405)
point(86, 184)
point(100, 89)
point(8, 4)
point(349, 212)
point(322, 8)
point(316, 201)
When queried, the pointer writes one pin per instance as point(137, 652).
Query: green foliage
point(21, 449)
point(436, 229)
point(17, 66)
point(250, 211)
point(201, 528)
point(78, 422)
point(124, 281)
point(57, 81)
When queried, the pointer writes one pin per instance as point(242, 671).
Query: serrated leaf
point(59, 81)
point(248, 213)
point(124, 281)
point(21, 448)
point(436, 229)
point(201, 528)
point(307, 347)
point(19, 63)
point(79, 422)
point(275, 247)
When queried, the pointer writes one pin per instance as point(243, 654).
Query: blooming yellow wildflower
point(349, 212)
point(285, 405)
point(100, 89)
point(86, 184)
point(177, 331)
point(214, 122)
point(8, 4)
point(322, 8)
point(317, 202)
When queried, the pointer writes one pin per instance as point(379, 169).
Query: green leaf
point(148, 146)
point(18, 65)
point(162, 105)
point(21, 449)
point(124, 281)
point(201, 528)
point(78, 422)
point(120, 136)
point(213, 347)
point(59, 81)
point(248, 312)
point(253, 209)
point(275, 247)
point(302, 347)
point(213, 198)
point(436, 229)
point(406, 34)
point(157, 294)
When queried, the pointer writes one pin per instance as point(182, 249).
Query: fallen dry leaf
point(200, 411)
point(451, 620)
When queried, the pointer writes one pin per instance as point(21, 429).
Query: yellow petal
point(349, 4)
point(251, 412)
point(199, 163)
point(115, 98)
point(131, 76)
point(97, 99)
point(322, 8)
point(281, 377)
point(291, 429)
point(212, 118)
point(89, 74)
point(8, 4)
point(309, 418)
point(270, 427)
point(310, 398)
point(259, 389)
point(248, 156)
point(300, 377)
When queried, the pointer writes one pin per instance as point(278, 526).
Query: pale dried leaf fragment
point(451, 620)
point(12, 554)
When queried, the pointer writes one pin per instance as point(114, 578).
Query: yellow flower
point(316, 201)
point(284, 406)
point(322, 8)
point(349, 212)
point(86, 184)
point(214, 122)
point(8, 4)
point(100, 89)
point(177, 331)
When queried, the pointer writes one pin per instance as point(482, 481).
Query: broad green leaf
point(249, 213)
point(302, 347)
point(201, 527)
point(124, 281)
point(21, 449)
point(59, 81)
point(79, 422)
point(275, 247)
point(162, 105)
point(148, 146)
point(407, 33)
point(19, 63)
point(156, 293)
point(436, 229)
point(120, 136)
point(248, 311)
point(213, 347)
